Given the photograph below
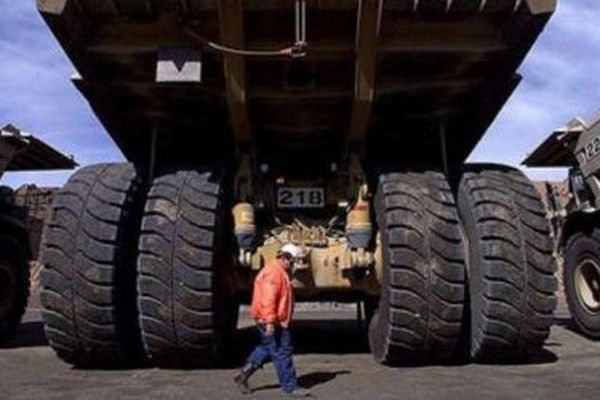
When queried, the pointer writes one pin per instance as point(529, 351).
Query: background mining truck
point(576, 225)
point(18, 152)
point(340, 126)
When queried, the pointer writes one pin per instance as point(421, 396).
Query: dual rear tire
point(182, 314)
point(420, 314)
point(112, 296)
point(476, 276)
point(88, 281)
point(512, 281)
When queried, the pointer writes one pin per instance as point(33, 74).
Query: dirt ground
point(332, 360)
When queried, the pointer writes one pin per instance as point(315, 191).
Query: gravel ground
point(332, 360)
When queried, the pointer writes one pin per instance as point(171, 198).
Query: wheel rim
point(7, 289)
point(587, 284)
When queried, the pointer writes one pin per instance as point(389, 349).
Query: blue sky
point(561, 80)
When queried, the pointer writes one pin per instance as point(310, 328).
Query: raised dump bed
point(337, 126)
point(392, 72)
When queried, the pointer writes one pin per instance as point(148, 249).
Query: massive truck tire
point(511, 269)
point(582, 280)
point(183, 316)
point(420, 313)
point(88, 281)
point(14, 286)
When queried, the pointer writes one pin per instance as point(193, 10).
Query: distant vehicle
point(339, 126)
point(576, 225)
point(19, 151)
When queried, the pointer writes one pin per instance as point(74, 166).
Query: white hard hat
point(292, 250)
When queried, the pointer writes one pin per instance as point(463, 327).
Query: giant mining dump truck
point(19, 151)
point(341, 126)
point(576, 224)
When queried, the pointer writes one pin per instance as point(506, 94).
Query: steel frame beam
point(231, 19)
point(367, 37)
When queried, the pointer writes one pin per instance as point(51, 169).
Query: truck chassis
point(341, 127)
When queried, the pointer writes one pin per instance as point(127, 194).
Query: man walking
point(272, 308)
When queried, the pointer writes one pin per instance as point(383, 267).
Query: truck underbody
point(383, 74)
point(339, 126)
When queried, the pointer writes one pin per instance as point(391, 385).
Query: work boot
point(299, 393)
point(241, 378)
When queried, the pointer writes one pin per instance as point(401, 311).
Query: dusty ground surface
point(332, 360)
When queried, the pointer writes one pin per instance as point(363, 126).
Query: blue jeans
point(277, 348)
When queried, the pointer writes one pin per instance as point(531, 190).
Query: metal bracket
point(153, 140)
point(244, 185)
point(179, 65)
point(443, 146)
point(368, 24)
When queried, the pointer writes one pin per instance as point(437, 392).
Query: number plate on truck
point(589, 151)
point(300, 197)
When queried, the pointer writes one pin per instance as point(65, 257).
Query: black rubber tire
point(420, 313)
point(184, 319)
point(582, 246)
point(88, 281)
point(511, 269)
point(14, 286)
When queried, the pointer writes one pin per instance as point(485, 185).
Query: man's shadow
point(308, 381)
point(313, 379)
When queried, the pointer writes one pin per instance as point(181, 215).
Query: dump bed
point(374, 73)
point(21, 151)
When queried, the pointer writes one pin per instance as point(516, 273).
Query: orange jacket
point(273, 296)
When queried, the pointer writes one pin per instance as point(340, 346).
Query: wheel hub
point(7, 289)
point(587, 284)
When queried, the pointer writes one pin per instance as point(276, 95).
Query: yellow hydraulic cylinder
point(244, 225)
point(359, 228)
